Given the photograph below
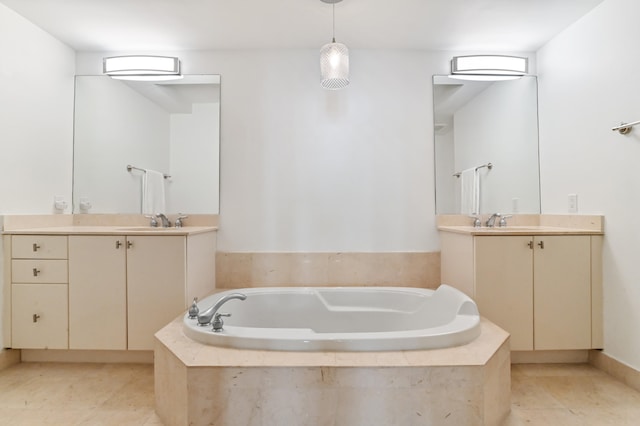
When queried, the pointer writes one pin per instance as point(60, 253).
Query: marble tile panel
point(233, 270)
point(309, 269)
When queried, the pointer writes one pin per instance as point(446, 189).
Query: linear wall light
point(142, 67)
point(488, 67)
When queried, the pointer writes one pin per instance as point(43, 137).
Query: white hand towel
point(470, 192)
point(153, 192)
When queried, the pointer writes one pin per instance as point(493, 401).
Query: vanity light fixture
point(488, 67)
point(142, 67)
point(334, 59)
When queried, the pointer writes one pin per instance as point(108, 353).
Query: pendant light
point(334, 59)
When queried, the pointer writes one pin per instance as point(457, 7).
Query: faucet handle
point(153, 222)
point(194, 310)
point(503, 220)
point(180, 219)
point(476, 221)
point(218, 323)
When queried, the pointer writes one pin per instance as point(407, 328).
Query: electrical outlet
point(573, 203)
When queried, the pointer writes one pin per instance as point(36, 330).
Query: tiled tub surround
point(407, 269)
point(198, 384)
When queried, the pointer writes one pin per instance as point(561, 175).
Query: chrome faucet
point(205, 318)
point(492, 220)
point(165, 221)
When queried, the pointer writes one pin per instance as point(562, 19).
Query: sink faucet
point(205, 318)
point(165, 221)
point(492, 220)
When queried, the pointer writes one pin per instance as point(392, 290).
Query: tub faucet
point(492, 220)
point(205, 318)
point(165, 221)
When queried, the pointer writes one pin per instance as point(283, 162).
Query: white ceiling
point(457, 25)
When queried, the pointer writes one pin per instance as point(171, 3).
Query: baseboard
point(114, 357)
point(550, 357)
point(9, 357)
point(626, 374)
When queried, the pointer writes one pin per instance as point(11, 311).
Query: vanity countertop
point(519, 230)
point(111, 230)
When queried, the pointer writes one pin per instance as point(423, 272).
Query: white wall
point(305, 169)
point(589, 82)
point(36, 119)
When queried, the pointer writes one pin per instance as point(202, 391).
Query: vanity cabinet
point(123, 289)
point(105, 291)
point(39, 289)
point(543, 289)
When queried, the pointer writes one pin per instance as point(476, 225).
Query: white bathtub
point(341, 319)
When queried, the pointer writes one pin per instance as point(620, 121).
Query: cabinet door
point(562, 295)
point(155, 286)
point(39, 316)
point(504, 285)
point(97, 292)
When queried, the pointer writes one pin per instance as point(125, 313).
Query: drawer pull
point(36, 317)
point(35, 247)
point(530, 244)
point(118, 244)
point(129, 244)
point(36, 271)
point(541, 244)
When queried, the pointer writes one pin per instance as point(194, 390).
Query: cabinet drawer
point(39, 316)
point(39, 247)
point(39, 271)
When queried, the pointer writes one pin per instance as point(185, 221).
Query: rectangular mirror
point(169, 126)
point(481, 122)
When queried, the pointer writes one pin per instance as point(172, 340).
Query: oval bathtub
point(341, 319)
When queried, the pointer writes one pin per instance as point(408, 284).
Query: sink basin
point(145, 229)
point(511, 229)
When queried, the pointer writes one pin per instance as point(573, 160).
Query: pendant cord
point(334, 22)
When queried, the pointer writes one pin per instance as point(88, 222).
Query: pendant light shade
point(334, 66)
point(334, 60)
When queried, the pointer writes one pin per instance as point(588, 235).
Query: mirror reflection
point(481, 122)
point(172, 127)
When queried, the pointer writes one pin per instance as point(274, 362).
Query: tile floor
point(117, 394)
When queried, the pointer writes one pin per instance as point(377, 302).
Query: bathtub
point(341, 319)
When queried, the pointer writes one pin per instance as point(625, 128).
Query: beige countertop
point(519, 230)
point(111, 230)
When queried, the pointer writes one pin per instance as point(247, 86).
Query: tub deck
point(198, 384)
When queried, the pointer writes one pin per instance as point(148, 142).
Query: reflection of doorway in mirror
point(159, 126)
point(482, 122)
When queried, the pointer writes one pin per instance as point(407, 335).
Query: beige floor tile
point(118, 394)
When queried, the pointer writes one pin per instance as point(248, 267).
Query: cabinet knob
point(541, 244)
point(35, 247)
point(118, 244)
point(36, 317)
point(129, 244)
point(530, 244)
point(36, 271)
